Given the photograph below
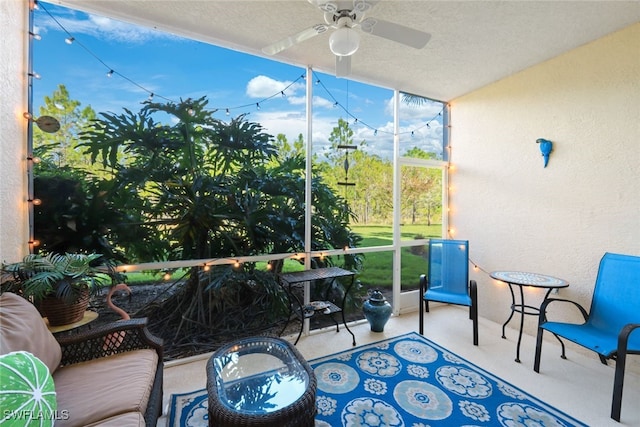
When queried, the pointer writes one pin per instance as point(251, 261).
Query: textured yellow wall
point(13, 103)
point(560, 220)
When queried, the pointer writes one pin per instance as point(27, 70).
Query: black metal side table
point(522, 279)
point(289, 280)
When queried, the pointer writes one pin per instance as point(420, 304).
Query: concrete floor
point(580, 386)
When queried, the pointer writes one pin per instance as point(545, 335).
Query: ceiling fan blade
point(303, 35)
point(395, 32)
point(343, 66)
point(363, 6)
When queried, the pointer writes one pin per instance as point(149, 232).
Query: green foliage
point(59, 149)
point(74, 215)
point(62, 275)
point(243, 295)
point(205, 188)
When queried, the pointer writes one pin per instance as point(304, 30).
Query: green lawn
point(377, 266)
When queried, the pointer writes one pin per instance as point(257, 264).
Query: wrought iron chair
point(447, 280)
point(610, 324)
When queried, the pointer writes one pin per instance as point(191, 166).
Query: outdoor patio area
point(580, 386)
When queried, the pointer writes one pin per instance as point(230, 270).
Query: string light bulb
point(35, 36)
point(34, 75)
point(110, 73)
point(166, 276)
point(206, 267)
point(36, 202)
point(69, 40)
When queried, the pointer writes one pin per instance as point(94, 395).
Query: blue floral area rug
point(404, 381)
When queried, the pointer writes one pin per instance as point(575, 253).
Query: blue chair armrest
point(543, 309)
point(623, 337)
point(424, 284)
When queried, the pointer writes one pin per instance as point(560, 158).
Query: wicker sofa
point(109, 376)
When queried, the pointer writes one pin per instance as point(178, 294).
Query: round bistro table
point(260, 381)
point(522, 279)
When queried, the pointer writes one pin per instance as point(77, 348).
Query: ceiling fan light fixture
point(344, 41)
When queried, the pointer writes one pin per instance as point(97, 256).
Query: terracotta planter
point(60, 313)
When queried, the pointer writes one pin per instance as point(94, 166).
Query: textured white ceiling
point(473, 43)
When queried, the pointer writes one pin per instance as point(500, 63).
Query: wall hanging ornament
point(346, 149)
point(546, 147)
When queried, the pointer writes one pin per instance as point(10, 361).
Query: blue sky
point(148, 61)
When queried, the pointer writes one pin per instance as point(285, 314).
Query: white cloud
point(321, 102)
point(264, 87)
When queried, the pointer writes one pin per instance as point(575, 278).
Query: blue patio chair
point(447, 280)
point(610, 324)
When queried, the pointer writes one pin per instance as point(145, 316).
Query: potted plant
point(58, 284)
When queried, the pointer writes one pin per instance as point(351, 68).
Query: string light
point(34, 75)
point(72, 40)
point(35, 36)
point(36, 202)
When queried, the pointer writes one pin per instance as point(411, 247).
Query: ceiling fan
point(343, 17)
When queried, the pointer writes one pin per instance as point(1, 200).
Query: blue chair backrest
point(449, 265)
point(616, 297)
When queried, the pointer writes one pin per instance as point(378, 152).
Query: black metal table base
point(522, 309)
point(330, 273)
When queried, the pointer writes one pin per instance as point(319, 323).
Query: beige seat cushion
point(103, 388)
point(22, 328)
point(130, 419)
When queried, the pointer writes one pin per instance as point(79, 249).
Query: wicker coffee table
point(260, 381)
